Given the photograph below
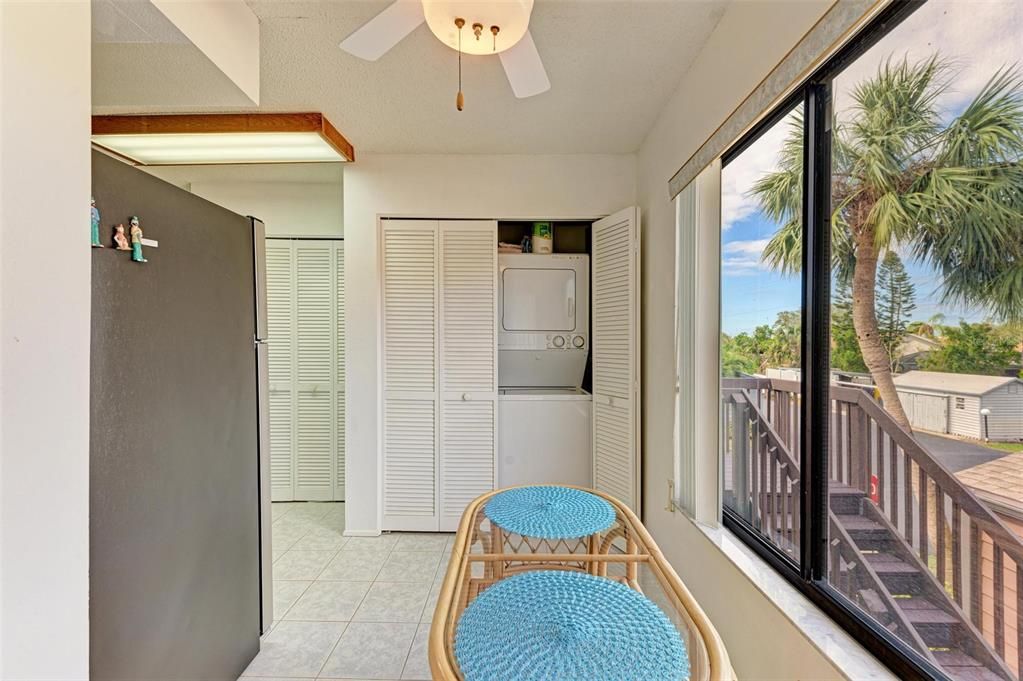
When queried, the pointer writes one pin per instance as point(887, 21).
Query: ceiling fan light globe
point(511, 15)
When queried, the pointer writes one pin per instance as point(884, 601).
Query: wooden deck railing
point(976, 558)
point(761, 477)
point(754, 445)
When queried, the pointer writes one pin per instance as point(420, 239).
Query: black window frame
point(809, 576)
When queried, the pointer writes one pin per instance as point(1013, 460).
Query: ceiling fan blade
point(385, 30)
point(524, 69)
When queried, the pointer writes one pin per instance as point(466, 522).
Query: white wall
point(1006, 419)
point(749, 40)
point(287, 209)
point(503, 186)
point(291, 199)
point(227, 32)
point(45, 266)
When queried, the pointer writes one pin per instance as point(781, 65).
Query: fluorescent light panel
point(186, 139)
point(221, 147)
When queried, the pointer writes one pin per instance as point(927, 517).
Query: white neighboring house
point(952, 403)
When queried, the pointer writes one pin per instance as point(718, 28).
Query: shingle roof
point(967, 384)
point(999, 481)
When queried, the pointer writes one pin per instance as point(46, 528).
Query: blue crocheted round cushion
point(550, 512)
point(568, 626)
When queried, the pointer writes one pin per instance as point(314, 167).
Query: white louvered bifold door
point(615, 344)
point(305, 311)
point(409, 263)
point(339, 386)
point(468, 365)
point(315, 352)
point(280, 348)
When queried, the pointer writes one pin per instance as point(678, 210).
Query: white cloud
point(751, 247)
point(979, 37)
point(738, 177)
point(743, 258)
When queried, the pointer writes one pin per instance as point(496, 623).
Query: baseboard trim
point(362, 533)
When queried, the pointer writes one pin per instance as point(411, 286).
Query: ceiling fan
point(498, 27)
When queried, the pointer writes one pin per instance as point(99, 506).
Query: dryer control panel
point(566, 341)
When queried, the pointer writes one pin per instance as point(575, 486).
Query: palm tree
point(950, 193)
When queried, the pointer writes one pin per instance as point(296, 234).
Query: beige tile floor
point(348, 608)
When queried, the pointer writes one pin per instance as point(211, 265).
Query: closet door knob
point(466, 397)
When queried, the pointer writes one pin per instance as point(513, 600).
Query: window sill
point(833, 642)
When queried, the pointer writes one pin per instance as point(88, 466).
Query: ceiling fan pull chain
point(477, 29)
point(459, 98)
point(495, 30)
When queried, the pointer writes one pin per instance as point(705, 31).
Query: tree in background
point(950, 192)
point(768, 346)
point(1013, 332)
point(743, 354)
point(896, 300)
point(735, 359)
point(845, 350)
point(972, 349)
point(786, 336)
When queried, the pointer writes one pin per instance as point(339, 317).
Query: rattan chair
point(484, 554)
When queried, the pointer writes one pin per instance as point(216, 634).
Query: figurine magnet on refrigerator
point(120, 240)
point(136, 240)
point(95, 224)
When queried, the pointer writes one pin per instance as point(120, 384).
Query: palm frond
point(784, 251)
point(990, 129)
point(889, 219)
point(998, 290)
point(971, 229)
point(990, 190)
point(843, 155)
point(843, 252)
point(780, 192)
point(894, 115)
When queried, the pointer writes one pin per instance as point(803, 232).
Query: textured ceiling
point(612, 65)
point(128, 21)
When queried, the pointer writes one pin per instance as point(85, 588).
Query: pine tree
point(896, 300)
point(845, 349)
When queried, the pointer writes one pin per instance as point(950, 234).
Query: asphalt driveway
point(957, 455)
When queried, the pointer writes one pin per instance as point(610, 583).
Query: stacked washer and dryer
point(544, 415)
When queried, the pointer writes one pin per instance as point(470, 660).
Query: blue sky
point(752, 294)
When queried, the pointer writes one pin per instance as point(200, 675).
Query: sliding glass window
point(871, 326)
point(761, 194)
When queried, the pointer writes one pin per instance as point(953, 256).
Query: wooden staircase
point(921, 554)
point(898, 590)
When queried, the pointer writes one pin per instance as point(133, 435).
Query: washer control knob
point(578, 341)
point(559, 341)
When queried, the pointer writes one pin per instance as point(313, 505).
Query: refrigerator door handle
point(259, 269)
point(265, 513)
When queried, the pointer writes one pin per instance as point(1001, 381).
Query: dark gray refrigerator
point(179, 530)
